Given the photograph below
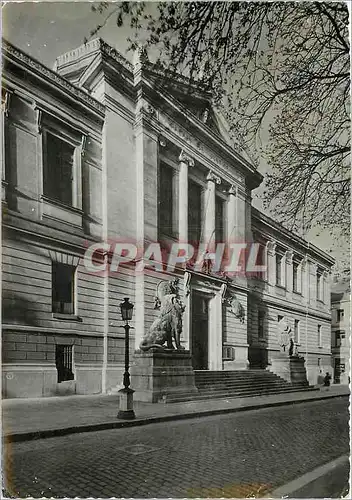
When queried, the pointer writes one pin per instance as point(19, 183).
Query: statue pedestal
point(157, 375)
point(291, 369)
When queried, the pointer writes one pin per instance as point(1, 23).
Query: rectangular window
point(297, 332)
point(340, 337)
point(296, 277)
point(63, 358)
point(63, 279)
point(340, 315)
point(319, 336)
point(278, 269)
point(219, 219)
point(260, 261)
point(166, 200)
point(58, 169)
point(319, 287)
point(261, 317)
point(194, 211)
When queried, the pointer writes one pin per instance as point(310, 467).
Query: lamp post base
point(126, 411)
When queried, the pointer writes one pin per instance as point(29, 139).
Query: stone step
point(242, 387)
point(254, 391)
point(236, 380)
point(218, 395)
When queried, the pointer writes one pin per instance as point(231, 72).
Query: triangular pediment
point(195, 100)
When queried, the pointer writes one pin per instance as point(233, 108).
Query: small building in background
point(341, 327)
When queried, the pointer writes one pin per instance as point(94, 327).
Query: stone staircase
point(237, 384)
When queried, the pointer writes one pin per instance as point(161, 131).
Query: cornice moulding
point(275, 227)
point(16, 56)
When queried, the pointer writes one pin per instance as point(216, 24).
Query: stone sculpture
point(234, 305)
point(284, 334)
point(167, 327)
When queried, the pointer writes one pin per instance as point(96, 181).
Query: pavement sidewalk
point(25, 419)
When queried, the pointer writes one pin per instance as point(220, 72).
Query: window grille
point(64, 363)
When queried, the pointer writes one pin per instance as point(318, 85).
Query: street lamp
point(126, 394)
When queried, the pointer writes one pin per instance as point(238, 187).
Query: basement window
point(63, 358)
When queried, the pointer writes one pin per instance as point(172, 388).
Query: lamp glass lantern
point(126, 309)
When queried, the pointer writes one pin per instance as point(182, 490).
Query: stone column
point(209, 226)
point(326, 291)
point(289, 271)
point(4, 116)
point(271, 263)
point(232, 215)
point(185, 162)
point(305, 278)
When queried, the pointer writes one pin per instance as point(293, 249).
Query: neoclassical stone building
point(99, 151)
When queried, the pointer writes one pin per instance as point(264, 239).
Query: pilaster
point(209, 216)
point(185, 162)
point(232, 223)
point(271, 263)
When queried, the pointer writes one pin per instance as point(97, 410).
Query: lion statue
point(167, 327)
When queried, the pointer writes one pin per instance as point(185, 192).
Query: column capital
point(213, 177)
point(185, 158)
point(271, 247)
point(162, 141)
point(289, 256)
point(233, 190)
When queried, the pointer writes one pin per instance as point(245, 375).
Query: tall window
point(219, 219)
point(340, 338)
point(319, 286)
point(260, 261)
point(319, 336)
point(63, 280)
point(194, 211)
point(297, 332)
point(261, 318)
point(296, 277)
point(166, 200)
point(340, 314)
point(278, 269)
point(58, 169)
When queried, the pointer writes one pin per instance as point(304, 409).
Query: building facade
point(98, 153)
point(341, 329)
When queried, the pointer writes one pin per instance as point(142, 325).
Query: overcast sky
point(47, 29)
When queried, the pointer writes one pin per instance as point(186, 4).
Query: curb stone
point(309, 479)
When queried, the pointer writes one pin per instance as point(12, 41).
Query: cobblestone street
point(239, 455)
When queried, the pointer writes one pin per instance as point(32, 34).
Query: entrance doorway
point(200, 331)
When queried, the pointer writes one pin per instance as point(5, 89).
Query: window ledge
point(61, 204)
point(297, 293)
point(67, 317)
point(280, 286)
